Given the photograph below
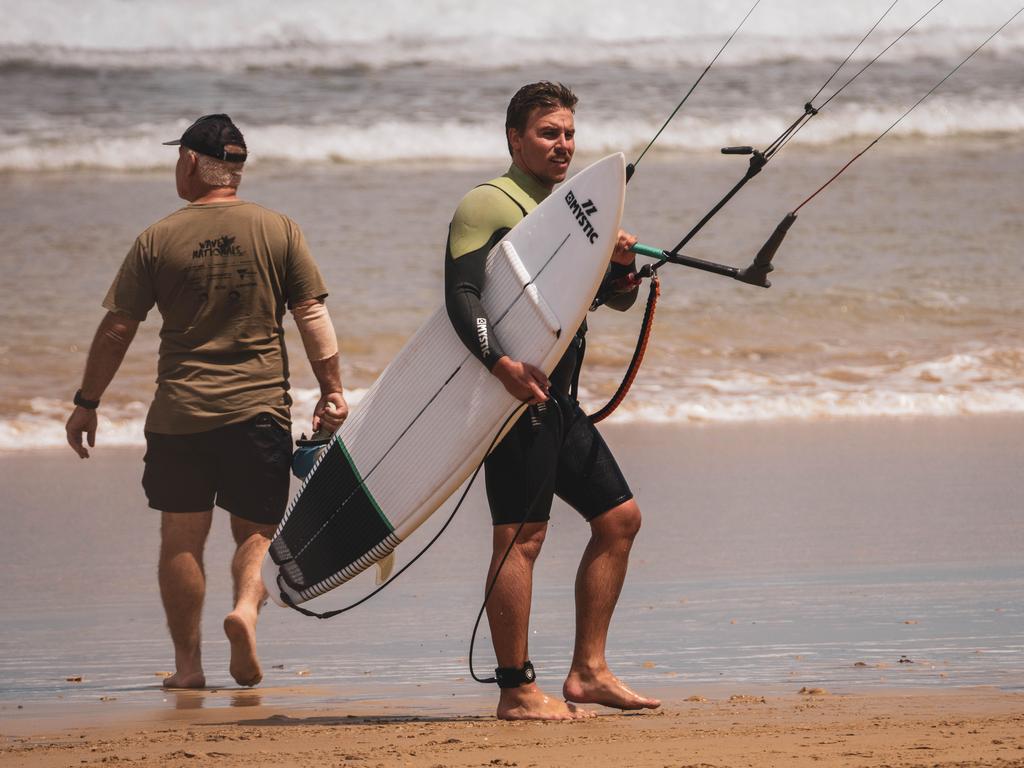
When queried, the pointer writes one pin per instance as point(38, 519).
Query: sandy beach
point(859, 555)
point(970, 727)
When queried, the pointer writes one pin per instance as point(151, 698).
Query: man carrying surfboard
point(221, 272)
point(553, 448)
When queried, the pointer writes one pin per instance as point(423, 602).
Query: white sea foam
point(482, 54)
point(816, 407)
point(982, 382)
point(42, 426)
point(401, 140)
point(478, 33)
point(985, 381)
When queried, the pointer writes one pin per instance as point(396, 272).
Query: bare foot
point(241, 632)
point(186, 680)
point(528, 702)
point(606, 689)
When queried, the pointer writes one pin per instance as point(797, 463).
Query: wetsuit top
point(484, 216)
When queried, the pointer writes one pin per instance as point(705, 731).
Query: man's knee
point(528, 542)
point(184, 532)
point(621, 522)
point(243, 530)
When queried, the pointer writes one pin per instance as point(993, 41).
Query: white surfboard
point(428, 420)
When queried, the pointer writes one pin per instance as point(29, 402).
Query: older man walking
point(221, 272)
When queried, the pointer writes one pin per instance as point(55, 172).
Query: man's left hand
point(622, 255)
point(330, 412)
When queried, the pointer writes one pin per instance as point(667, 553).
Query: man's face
point(545, 147)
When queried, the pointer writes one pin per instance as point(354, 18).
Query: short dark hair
point(544, 94)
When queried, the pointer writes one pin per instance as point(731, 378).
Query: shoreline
point(774, 557)
point(615, 425)
point(973, 727)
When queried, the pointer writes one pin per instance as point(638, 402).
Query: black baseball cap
point(210, 134)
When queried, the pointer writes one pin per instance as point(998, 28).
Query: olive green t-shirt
point(221, 275)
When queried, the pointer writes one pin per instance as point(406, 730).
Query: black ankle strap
point(513, 677)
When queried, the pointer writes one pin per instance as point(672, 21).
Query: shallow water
point(896, 293)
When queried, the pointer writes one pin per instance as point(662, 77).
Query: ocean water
point(896, 293)
point(324, 82)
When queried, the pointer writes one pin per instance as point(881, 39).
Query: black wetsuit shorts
point(552, 449)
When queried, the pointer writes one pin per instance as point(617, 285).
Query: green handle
point(647, 250)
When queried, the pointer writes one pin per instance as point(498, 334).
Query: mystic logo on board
point(581, 211)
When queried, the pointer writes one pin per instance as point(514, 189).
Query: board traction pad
point(334, 524)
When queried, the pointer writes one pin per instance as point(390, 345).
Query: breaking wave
point(477, 34)
point(981, 382)
point(402, 141)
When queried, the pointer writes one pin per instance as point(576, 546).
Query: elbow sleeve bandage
point(317, 331)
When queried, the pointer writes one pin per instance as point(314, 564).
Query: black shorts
point(552, 449)
point(243, 468)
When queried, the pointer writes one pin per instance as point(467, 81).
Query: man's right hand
point(523, 381)
point(330, 412)
point(81, 420)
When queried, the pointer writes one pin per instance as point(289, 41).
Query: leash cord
point(331, 614)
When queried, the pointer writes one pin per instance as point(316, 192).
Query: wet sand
point(773, 558)
point(968, 727)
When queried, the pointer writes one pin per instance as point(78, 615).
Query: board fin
point(384, 568)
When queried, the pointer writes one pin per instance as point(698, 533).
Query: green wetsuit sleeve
point(483, 217)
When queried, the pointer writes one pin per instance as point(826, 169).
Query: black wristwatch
point(81, 402)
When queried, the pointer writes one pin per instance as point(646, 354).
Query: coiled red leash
point(638, 353)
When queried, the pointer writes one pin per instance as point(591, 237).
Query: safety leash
point(286, 599)
point(638, 352)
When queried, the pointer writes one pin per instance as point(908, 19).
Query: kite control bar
point(754, 274)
